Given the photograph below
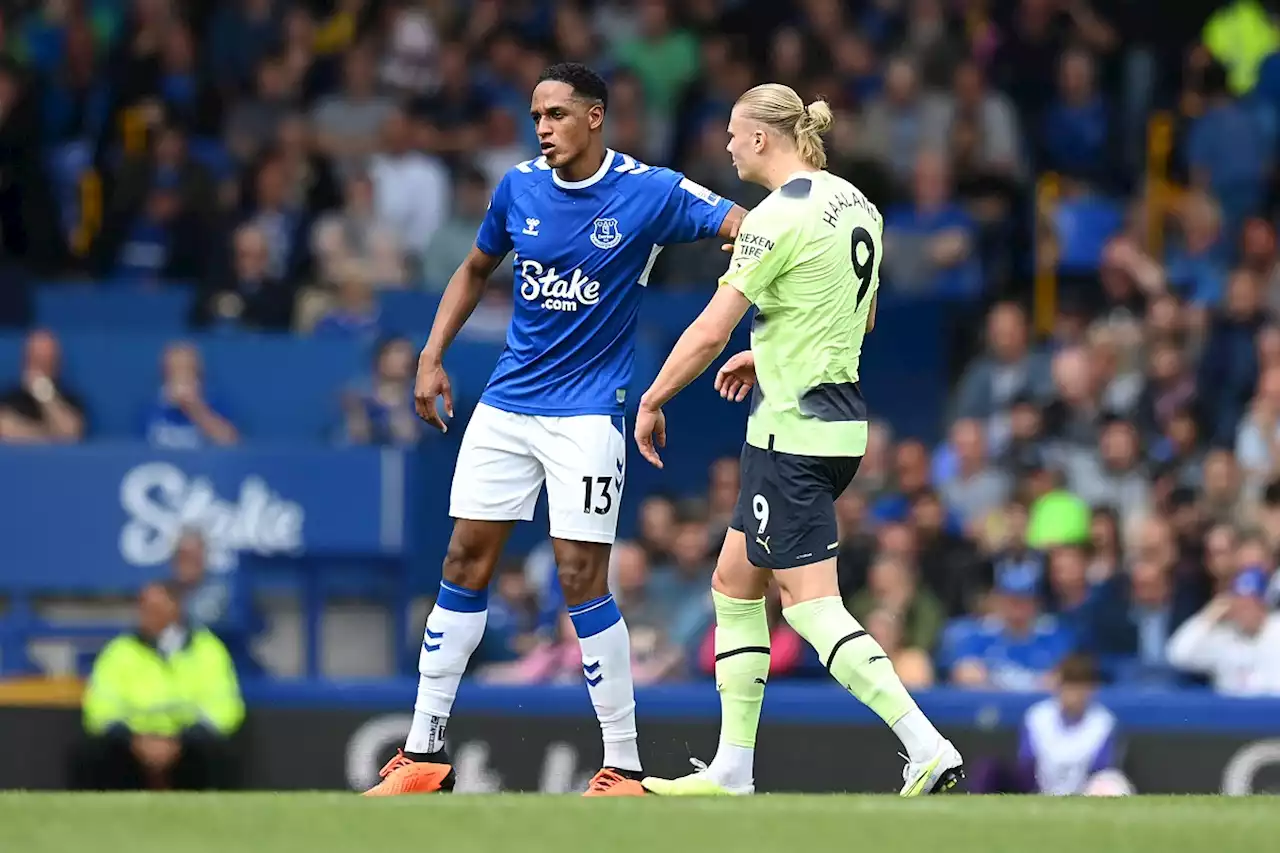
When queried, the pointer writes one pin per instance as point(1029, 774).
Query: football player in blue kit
point(585, 224)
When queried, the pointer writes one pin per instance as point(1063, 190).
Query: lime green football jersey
point(808, 257)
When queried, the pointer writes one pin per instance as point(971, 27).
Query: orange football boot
point(611, 783)
point(403, 775)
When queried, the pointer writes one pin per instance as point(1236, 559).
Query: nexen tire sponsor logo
point(556, 292)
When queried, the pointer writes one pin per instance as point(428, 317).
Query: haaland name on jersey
point(808, 257)
point(840, 201)
point(583, 252)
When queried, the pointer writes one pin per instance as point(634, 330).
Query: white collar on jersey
point(585, 182)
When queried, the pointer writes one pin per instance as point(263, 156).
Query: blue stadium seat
point(285, 388)
point(89, 307)
point(282, 388)
point(276, 388)
point(407, 312)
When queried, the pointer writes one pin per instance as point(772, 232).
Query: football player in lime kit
point(808, 258)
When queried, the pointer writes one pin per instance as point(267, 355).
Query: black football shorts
point(786, 506)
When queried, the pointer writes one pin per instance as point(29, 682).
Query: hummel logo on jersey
point(606, 234)
point(557, 292)
point(531, 226)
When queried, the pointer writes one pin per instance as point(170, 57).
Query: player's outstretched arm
point(729, 227)
point(698, 346)
point(461, 296)
point(691, 212)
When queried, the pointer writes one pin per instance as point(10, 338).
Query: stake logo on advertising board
point(162, 501)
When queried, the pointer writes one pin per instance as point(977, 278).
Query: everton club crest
point(606, 234)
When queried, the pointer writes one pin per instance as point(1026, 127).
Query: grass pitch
point(328, 823)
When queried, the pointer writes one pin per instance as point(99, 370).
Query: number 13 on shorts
point(585, 478)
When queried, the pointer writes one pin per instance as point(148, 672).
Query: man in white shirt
point(1235, 640)
point(411, 191)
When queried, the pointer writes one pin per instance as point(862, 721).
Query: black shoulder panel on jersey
point(799, 188)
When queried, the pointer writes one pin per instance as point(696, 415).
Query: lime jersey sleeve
point(763, 250)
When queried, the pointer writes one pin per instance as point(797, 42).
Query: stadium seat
point(76, 307)
point(274, 388)
point(407, 312)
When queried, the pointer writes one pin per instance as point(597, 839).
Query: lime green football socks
point(742, 667)
point(742, 647)
point(851, 656)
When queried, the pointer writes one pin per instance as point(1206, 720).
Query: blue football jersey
point(1012, 662)
point(583, 253)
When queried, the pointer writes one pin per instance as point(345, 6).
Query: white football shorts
point(506, 457)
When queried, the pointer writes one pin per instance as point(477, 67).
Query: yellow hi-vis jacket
point(135, 685)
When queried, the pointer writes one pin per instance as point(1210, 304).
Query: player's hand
point(737, 376)
point(432, 382)
point(651, 430)
point(154, 752)
point(1218, 608)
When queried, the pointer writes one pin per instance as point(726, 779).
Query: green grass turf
point(327, 823)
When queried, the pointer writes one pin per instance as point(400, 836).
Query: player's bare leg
point(742, 669)
point(453, 631)
point(811, 603)
point(606, 662)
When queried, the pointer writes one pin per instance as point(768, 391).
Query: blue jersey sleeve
point(493, 238)
point(689, 211)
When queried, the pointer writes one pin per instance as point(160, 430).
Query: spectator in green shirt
point(664, 57)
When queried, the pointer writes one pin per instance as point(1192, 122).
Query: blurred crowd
point(290, 159)
point(975, 564)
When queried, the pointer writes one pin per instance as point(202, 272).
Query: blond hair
point(780, 108)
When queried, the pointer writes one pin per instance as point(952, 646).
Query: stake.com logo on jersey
point(557, 292)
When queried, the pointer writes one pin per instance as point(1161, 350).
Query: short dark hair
point(584, 82)
point(168, 586)
point(692, 511)
point(926, 495)
point(1215, 81)
point(383, 344)
point(1084, 549)
point(468, 173)
point(1078, 669)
